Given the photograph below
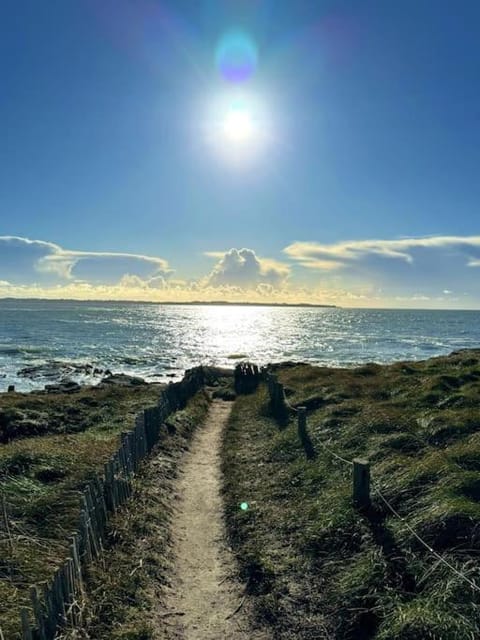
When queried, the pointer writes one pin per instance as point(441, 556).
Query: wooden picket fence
point(59, 603)
point(246, 377)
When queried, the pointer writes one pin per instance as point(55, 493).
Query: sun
point(238, 125)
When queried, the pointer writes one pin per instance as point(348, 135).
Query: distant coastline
point(194, 303)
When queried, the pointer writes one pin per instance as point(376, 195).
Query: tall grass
point(322, 569)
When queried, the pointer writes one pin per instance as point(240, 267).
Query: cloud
point(327, 257)
point(408, 272)
point(129, 281)
point(243, 268)
point(35, 261)
point(35, 268)
point(415, 271)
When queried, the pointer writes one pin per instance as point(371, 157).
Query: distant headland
point(217, 303)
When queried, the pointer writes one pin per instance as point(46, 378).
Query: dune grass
point(52, 444)
point(317, 566)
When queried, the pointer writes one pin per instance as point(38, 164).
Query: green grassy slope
point(52, 444)
point(318, 567)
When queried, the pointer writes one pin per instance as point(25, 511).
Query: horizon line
point(235, 303)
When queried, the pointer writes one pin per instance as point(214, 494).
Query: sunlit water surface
point(155, 340)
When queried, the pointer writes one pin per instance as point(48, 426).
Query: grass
point(52, 444)
point(127, 586)
point(317, 567)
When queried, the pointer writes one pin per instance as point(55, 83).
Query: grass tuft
point(330, 571)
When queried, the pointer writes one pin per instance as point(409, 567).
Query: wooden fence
point(59, 603)
point(246, 377)
point(281, 410)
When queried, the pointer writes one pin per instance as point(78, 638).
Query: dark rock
point(11, 388)
point(122, 380)
point(67, 386)
point(54, 369)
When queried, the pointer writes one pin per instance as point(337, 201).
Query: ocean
point(44, 341)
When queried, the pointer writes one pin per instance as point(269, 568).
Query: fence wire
point(440, 559)
point(430, 549)
point(335, 455)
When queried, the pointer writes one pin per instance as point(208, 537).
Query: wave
point(21, 350)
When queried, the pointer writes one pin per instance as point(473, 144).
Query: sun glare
point(238, 125)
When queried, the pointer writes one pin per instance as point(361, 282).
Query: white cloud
point(243, 268)
point(315, 255)
point(407, 272)
point(35, 268)
point(28, 261)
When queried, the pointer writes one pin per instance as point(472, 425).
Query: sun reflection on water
point(233, 332)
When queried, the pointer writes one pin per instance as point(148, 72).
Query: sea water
point(158, 342)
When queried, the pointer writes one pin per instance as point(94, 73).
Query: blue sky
point(119, 176)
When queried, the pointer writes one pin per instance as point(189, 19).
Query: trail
point(205, 602)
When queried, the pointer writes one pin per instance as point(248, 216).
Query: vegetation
point(51, 445)
point(126, 588)
point(316, 567)
point(319, 568)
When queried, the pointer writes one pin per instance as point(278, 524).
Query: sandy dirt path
point(205, 602)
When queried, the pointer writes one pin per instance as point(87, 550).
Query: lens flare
point(244, 506)
point(236, 56)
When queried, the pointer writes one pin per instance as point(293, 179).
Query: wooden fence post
point(6, 523)
point(361, 483)
point(302, 422)
point(38, 613)
point(26, 628)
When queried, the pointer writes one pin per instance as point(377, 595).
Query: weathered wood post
point(37, 612)
point(6, 522)
point(272, 389)
point(302, 422)
point(361, 483)
point(26, 628)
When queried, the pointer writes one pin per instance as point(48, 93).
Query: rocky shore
point(56, 376)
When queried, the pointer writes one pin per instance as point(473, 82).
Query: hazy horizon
point(234, 303)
